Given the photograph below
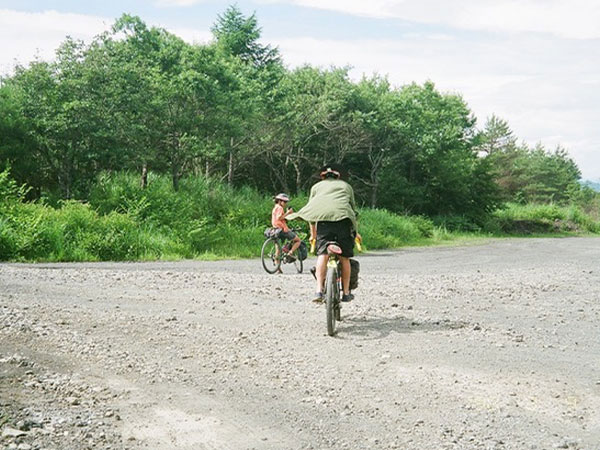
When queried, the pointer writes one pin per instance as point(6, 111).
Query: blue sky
point(534, 63)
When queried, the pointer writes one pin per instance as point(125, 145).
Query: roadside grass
point(540, 220)
point(208, 220)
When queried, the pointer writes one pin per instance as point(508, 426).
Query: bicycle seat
point(333, 247)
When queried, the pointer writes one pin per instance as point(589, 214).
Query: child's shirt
point(277, 220)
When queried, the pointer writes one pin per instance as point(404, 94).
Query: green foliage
point(431, 167)
point(199, 201)
point(532, 218)
point(382, 229)
point(10, 191)
point(204, 214)
point(203, 219)
point(527, 175)
point(456, 222)
point(74, 232)
point(207, 219)
point(139, 99)
point(239, 35)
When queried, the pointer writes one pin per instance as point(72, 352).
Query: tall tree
point(523, 173)
point(17, 149)
point(496, 136)
point(376, 118)
point(55, 101)
point(239, 35)
point(313, 125)
point(434, 169)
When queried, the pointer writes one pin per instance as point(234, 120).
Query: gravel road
point(493, 345)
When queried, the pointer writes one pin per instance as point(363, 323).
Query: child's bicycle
point(275, 252)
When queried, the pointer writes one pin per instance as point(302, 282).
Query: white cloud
point(174, 3)
point(26, 35)
point(567, 18)
point(192, 35)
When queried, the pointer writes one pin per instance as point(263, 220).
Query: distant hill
point(594, 185)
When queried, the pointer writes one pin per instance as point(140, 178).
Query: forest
point(139, 104)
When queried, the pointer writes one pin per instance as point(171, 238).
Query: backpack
point(302, 251)
point(272, 232)
point(354, 270)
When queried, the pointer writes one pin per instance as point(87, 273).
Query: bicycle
point(333, 283)
point(272, 250)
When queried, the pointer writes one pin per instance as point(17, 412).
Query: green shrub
point(8, 240)
point(516, 218)
point(456, 223)
point(75, 232)
point(382, 229)
point(207, 219)
point(10, 191)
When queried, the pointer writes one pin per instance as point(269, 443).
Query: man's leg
point(345, 274)
point(321, 271)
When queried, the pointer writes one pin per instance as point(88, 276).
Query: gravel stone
point(486, 346)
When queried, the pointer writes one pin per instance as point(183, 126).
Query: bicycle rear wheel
point(332, 299)
point(298, 262)
point(270, 255)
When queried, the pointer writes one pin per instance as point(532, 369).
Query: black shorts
point(340, 232)
point(287, 235)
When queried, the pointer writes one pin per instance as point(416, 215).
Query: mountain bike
point(333, 283)
point(275, 252)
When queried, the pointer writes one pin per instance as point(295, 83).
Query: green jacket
point(330, 200)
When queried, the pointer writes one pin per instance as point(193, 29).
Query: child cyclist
point(278, 215)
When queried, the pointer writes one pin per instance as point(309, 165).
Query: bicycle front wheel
point(332, 298)
point(271, 255)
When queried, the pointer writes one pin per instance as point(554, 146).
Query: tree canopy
point(139, 98)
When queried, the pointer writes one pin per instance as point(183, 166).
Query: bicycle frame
point(335, 263)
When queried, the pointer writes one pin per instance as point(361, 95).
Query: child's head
point(281, 199)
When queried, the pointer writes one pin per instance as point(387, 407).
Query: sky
point(533, 63)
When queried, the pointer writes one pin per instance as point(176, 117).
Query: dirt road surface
point(488, 346)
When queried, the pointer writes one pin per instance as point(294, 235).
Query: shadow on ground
point(377, 327)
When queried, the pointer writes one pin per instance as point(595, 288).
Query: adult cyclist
point(331, 212)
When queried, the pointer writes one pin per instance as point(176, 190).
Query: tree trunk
point(64, 181)
point(207, 170)
point(277, 175)
point(376, 160)
point(374, 195)
point(176, 160)
point(144, 179)
point(175, 176)
point(230, 166)
point(298, 171)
